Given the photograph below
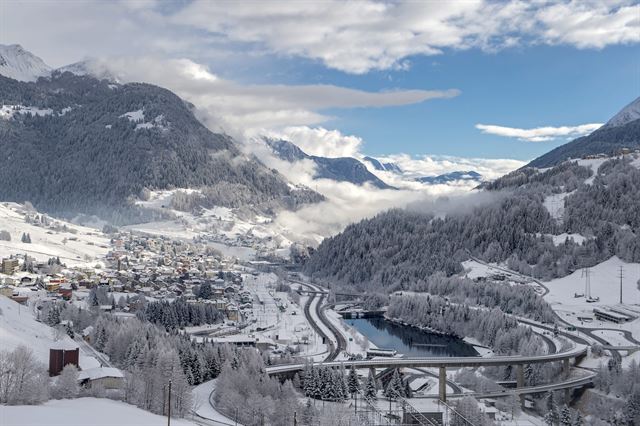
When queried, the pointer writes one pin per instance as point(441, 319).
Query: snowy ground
point(555, 204)
point(241, 229)
point(82, 412)
point(479, 347)
point(474, 269)
point(605, 284)
point(19, 327)
point(81, 247)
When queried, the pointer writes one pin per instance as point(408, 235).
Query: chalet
point(103, 377)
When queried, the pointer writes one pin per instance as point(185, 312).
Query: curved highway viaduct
point(443, 363)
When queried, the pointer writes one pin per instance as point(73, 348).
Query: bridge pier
point(565, 368)
point(442, 383)
point(520, 380)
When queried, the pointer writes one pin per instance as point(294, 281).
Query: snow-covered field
point(19, 327)
point(605, 284)
point(242, 229)
point(82, 412)
point(555, 204)
point(81, 246)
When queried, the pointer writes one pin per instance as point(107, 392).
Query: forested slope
point(400, 249)
point(76, 144)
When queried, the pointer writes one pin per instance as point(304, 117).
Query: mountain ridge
point(620, 132)
point(75, 144)
point(342, 169)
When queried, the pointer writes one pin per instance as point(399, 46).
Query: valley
point(303, 214)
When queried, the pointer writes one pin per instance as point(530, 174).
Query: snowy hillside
point(81, 412)
point(75, 245)
point(19, 327)
point(19, 64)
point(604, 283)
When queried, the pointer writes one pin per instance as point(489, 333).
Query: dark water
point(410, 341)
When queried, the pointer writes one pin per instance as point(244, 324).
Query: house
point(233, 313)
point(86, 333)
point(9, 266)
point(104, 377)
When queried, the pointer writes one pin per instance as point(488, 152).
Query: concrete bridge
point(450, 362)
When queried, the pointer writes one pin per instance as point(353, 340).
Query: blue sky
point(518, 87)
point(523, 88)
point(517, 65)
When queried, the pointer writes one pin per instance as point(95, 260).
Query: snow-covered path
point(204, 408)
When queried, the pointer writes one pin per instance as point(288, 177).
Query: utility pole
point(621, 275)
point(169, 406)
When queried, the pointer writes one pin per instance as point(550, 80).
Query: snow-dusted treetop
point(19, 64)
point(628, 114)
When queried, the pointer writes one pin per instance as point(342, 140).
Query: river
point(410, 341)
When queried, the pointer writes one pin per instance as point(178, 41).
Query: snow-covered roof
point(65, 344)
point(99, 373)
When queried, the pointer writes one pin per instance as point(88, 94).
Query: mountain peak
point(628, 114)
point(20, 64)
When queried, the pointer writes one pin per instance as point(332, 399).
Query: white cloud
point(249, 109)
point(433, 165)
point(539, 134)
point(357, 37)
point(351, 36)
point(320, 141)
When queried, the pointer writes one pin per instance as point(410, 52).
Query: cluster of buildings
point(156, 267)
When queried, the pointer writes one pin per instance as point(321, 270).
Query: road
point(90, 350)
point(341, 343)
point(565, 384)
point(449, 362)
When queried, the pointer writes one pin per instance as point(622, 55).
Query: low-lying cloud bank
point(250, 112)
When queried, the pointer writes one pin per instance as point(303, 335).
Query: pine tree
point(565, 416)
point(370, 390)
point(631, 413)
point(353, 383)
point(69, 330)
point(577, 419)
point(395, 386)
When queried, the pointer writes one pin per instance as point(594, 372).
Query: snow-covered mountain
point(382, 167)
point(628, 114)
point(344, 169)
point(621, 132)
point(19, 64)
point(75, 144)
